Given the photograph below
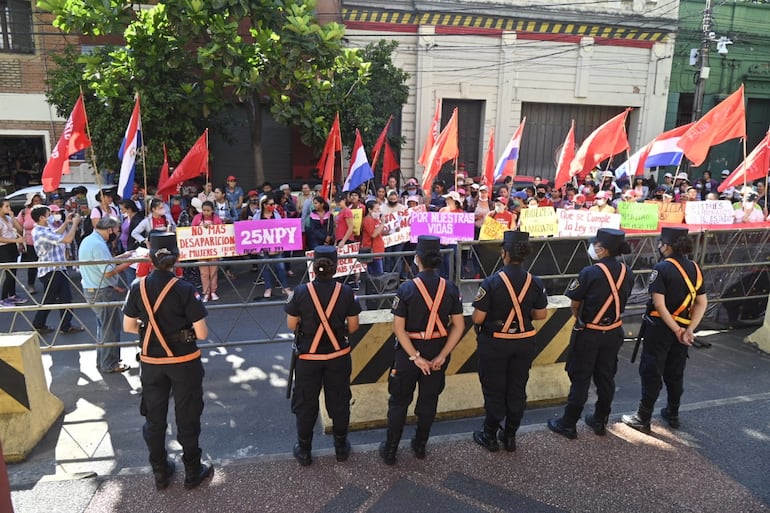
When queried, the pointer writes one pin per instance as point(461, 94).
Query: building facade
point(499, 62)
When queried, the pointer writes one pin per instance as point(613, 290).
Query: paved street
point(94, 460)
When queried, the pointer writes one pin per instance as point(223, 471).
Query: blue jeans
point(394, 264)
point(374, 268)
point(108, 325)
point(127, 277)
point(56, 288)
point(277, 268)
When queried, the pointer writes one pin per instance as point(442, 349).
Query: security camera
point(722, 45)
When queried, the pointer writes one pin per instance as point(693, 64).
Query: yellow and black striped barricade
point(374, 344)
point(27, 408)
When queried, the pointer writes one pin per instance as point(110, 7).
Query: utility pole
point(707, 36)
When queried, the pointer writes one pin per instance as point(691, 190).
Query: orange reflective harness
point(689, 300)
point(153, 327)
point(614, 297)
point(435, 327)
point(324, 327)
point(516, 313)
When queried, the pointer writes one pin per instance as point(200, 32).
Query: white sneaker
point(214, 296)
point(205, 298)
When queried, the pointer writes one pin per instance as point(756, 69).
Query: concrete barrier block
point(27, 408)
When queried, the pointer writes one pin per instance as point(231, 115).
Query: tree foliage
point(189, 59)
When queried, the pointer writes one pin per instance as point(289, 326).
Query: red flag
point(724, 122)
point(72, 140)
point(389, 162)
point(443, 151)
point(433, 133)
point(566, 155)
point(604, 142)
point(378, 147)
point(489, 164)
point(195, 163)
point(163, 176)
point(753, 168)
point(326, 162)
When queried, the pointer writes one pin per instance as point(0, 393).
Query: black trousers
point(185, 382)
point(8, 254)
point(334, 377)
point(593, 355)
point(404, 378)
point(663, 358)
point(503, 371)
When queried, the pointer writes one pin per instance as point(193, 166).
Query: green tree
point(188, 59)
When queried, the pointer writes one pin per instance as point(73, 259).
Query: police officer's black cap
point(163, 241)
point(613, 240)
point(329, 252)
point(669, 234)
point(428, 245)
point(511, 237)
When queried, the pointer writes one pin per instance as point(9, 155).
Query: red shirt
point(367, 228)
point(505, 218)
point(344, 221)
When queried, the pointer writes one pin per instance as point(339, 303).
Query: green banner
point(638, 216)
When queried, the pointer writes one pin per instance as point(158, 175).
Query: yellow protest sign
point(358, 219)
point(539, 222)
point(491, 229)
point(669, 212)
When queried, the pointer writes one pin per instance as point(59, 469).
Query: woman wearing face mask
point(268, 211)
point(372, 231)
point(599, 296)
point(502, 215)
point(748, 211)
point(601, 203)
point(10, 237)
point(158, 220)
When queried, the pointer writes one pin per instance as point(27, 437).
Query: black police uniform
point(663, 356)
point(596, 340)
point(175, 369)
point(505, 353)
point(405, 375)
point(322, 364)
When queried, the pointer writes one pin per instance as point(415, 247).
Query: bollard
point(27, 408)
point(761, 337)
point(372, 354)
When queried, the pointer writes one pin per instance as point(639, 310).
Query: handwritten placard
point(709, 212)
point(398, 228)
point(358, 219)
point(539, 222)
point(584, 223)
point(271, 235)
point(206, 242)
point(492, 229)
point(638, 216)
point(451, 227)
point(668, 211)
point(345, 266)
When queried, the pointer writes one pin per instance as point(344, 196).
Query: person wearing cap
point(691, 194)
point(101, 284)
point(473, 197)
point(608, 183)
point(322, 313)
point(677, 305)
point(483, 206)
point(502, 215)
point(234, 195)
point(427, 323)
point(50, 246)
point(601, 203)
point(412, 189)
point(748, 211)
point(504, 307)
point(169, 317)
point(10, 238)
point(106, 206)
point(681, 183)
point(599, 296)
point(251, 208)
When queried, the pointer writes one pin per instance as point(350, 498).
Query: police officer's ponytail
point(682, 245)
point(324, 268)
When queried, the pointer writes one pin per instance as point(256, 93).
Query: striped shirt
point(49, 248)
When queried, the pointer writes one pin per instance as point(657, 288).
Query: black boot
point(341, 447)
point(671, 414)
point(195, 472)
point(302, 451)
point(389, 447)
point(508, 437)
point(565, 425)
point(487, 438)
point(163, 472)
point(639, 420)
point(419, 442)
point(598, 424)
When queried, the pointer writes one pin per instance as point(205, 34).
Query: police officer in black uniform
point(599, 296)
point(169, 317)
point(504, 307)
point(677, 305)
point(422, 310)
point(322, 313)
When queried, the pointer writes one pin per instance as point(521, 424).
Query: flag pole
point(744, 159)
point(208, 171)
point(91, 149)
point(144, 162)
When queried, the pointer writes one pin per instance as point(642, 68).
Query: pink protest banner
point(345, 266)
point(451, 227)
point(272, 235)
